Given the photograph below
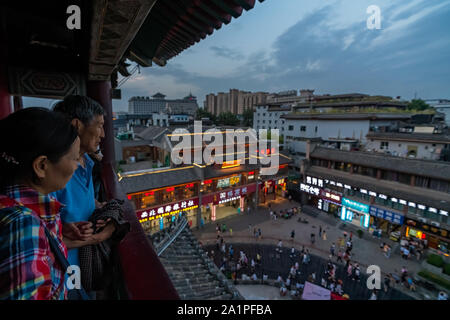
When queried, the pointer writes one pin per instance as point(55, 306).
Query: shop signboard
point(233, 194)
point(309, 189)
point(330, 196)
point(361, 207)
point(166, 210)
point(226, 182)
point(387, 215)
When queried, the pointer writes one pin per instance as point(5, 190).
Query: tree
point(202, 113)
point(418, 105)
point(227, 119)
point(248, 117)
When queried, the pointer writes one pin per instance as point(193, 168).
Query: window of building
point(384, 145)
point(315, 129)
point(302, 128)
point(291, 128)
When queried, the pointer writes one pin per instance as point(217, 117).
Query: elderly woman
point(39, 152)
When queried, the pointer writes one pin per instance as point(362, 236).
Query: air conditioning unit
point(436, 224)
point(423, 220)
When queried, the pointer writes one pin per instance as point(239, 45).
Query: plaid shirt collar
point(43, 205)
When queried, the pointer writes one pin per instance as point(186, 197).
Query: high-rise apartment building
point(234, 101)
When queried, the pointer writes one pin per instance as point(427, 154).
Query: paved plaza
point(366, 250)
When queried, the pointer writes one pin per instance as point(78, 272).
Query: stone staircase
point(193, 273)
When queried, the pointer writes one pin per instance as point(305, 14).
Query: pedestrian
point(388, 252)
point(217, 228)
point(373, 296)
point(259, 234)
point(412, 287)
point(332, 249)
point(320, 231)
point(351, 235)
point(324, 235)
point(387, 282)
point(292, 235)
point(349, 270)
point(357, 273)
point(248, 209)
point(231, 232)
point(255, 233)
point(224, 228)
point(339, 256)
point(313, 238)
point(290, 198)
point(250, 228)
point(279, 246)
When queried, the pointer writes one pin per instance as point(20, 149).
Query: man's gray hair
point(79, 107)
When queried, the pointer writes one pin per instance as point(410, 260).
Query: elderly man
point(87, 116)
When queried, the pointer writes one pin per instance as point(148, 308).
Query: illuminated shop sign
point(223, 183)
point(309, 189)
point(444, 213)
point(382, 196)
point(166, 210)
point(387, 215)
point(281, 181)
point(230, 195)
point(355, 205)
point(314, 181)
point(330, 196)
point(363, 191)
point(373, 194)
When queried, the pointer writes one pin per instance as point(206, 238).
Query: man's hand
point(102, 223)
point(104, 235)
point(78, 230)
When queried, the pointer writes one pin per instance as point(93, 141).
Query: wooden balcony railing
point(143, 275)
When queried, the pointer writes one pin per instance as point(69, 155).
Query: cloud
point(227, 53)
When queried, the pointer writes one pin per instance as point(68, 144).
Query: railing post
point(5, 97)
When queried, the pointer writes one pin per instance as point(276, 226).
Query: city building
point(412, 145)
point(340, 130)
point(376, 191)
point(159, 104)
point(441, 105)
point(235, 101)
point(204, 191)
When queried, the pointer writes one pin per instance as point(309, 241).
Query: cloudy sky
point(323, 45)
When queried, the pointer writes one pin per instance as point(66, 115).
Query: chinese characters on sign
point(231, 195)
point(166, 210)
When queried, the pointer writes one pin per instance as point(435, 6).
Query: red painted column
point(100, 91)
point(5, 97)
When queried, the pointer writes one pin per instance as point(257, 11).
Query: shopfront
point(280, 187)
point(386, 220)
point(330, 202)
point(227, 202)
point(436, 238)
point(356, 213)
point(158, 218)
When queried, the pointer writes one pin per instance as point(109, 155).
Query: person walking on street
point(259, 234)
point(332, 249)
point(339, 256)
point(320, 231)
point(387, 282)
point(313, 238)
point(292, 235)
point(324, 235)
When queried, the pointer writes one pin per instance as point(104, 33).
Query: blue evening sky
point(323, 45)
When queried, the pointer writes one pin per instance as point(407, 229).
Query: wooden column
point(413, 180)
point(5, 97)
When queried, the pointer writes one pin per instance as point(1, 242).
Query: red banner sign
point(166, 210)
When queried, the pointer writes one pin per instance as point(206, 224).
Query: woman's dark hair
point(79, 107)
point(28, 134)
